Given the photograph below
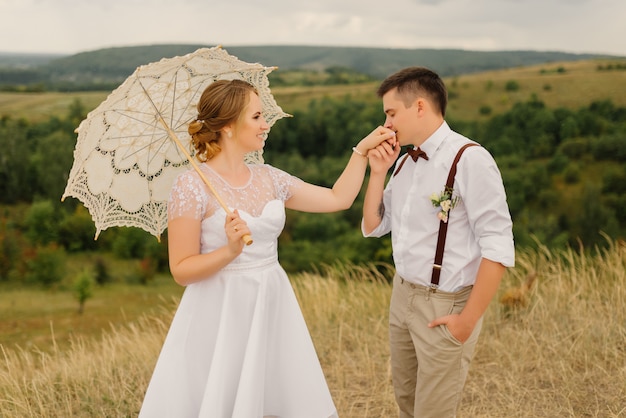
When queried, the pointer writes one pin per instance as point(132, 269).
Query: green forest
point(563, 170)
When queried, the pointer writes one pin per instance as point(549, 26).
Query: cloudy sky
point(71, 26)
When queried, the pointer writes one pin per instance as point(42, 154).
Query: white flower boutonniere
point(445, 201)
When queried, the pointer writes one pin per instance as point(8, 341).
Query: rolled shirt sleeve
point(484, 196)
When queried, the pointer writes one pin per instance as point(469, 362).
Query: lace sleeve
point(187, 198)
point(285, 183)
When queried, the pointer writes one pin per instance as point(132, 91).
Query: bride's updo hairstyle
point(221, 104)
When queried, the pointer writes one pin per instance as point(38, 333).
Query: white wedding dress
point(238, 346)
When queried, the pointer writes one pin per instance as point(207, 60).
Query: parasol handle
point(246, 238)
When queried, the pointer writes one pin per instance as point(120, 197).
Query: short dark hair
point(412, 82)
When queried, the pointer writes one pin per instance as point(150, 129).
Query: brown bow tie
point(416, 153)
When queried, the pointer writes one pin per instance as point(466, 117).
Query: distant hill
point(112, 65)
point(24, 60)
point(379, 62)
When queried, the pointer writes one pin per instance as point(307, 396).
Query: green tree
point(101, 271)
point(77, 231)
point(83, 289)
point(76, 112)
point(575, 147)
point(569, 128)
point(52, 162)
point(16, 181)
point(10, 244)
point(511, 85)
point(157, 252)
point(130, 242)
point(610, 147)
point(47, 267)
point(42, 223)
point(529, 129)
point(594, 217)
point(614, 180)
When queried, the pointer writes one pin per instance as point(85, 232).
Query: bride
point(238, 345)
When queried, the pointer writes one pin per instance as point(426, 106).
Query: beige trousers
point(428, 365)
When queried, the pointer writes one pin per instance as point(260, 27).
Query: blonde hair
point(221, 104)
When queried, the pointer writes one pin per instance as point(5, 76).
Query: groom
point(436, 305)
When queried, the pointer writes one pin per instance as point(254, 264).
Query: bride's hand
point(378, 136)
point(235, 228)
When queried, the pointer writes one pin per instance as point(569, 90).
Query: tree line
point(563, 170)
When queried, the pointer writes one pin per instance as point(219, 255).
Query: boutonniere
point(445, 201)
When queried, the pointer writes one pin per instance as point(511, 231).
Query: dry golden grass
point(103, 378)
point(577, 85)
point(39, 107)
point(563, 354)
point(299, 97)
point(346, 311)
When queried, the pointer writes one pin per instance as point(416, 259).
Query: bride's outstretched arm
point(312, 198)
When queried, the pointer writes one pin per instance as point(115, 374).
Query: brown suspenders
point(443, 226)
point(401, 164)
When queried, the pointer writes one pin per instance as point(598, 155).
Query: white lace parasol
point(133, 145)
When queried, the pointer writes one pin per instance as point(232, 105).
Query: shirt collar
point(432, 143)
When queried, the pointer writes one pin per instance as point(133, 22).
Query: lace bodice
point(190, 197)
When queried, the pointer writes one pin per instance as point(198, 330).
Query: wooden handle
point(247, 239)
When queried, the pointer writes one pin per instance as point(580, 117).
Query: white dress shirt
point(480, 224)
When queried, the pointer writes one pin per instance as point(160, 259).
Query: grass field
point(50, 318)
point(567, 84)
point(570, 85)
point(552, 347)
point(38, 107)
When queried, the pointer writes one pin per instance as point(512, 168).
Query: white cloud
point(70, 26)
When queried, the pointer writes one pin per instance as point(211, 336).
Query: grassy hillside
point(39, 107)
point(563, 84)
point(566, 84)
point(552, 345)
